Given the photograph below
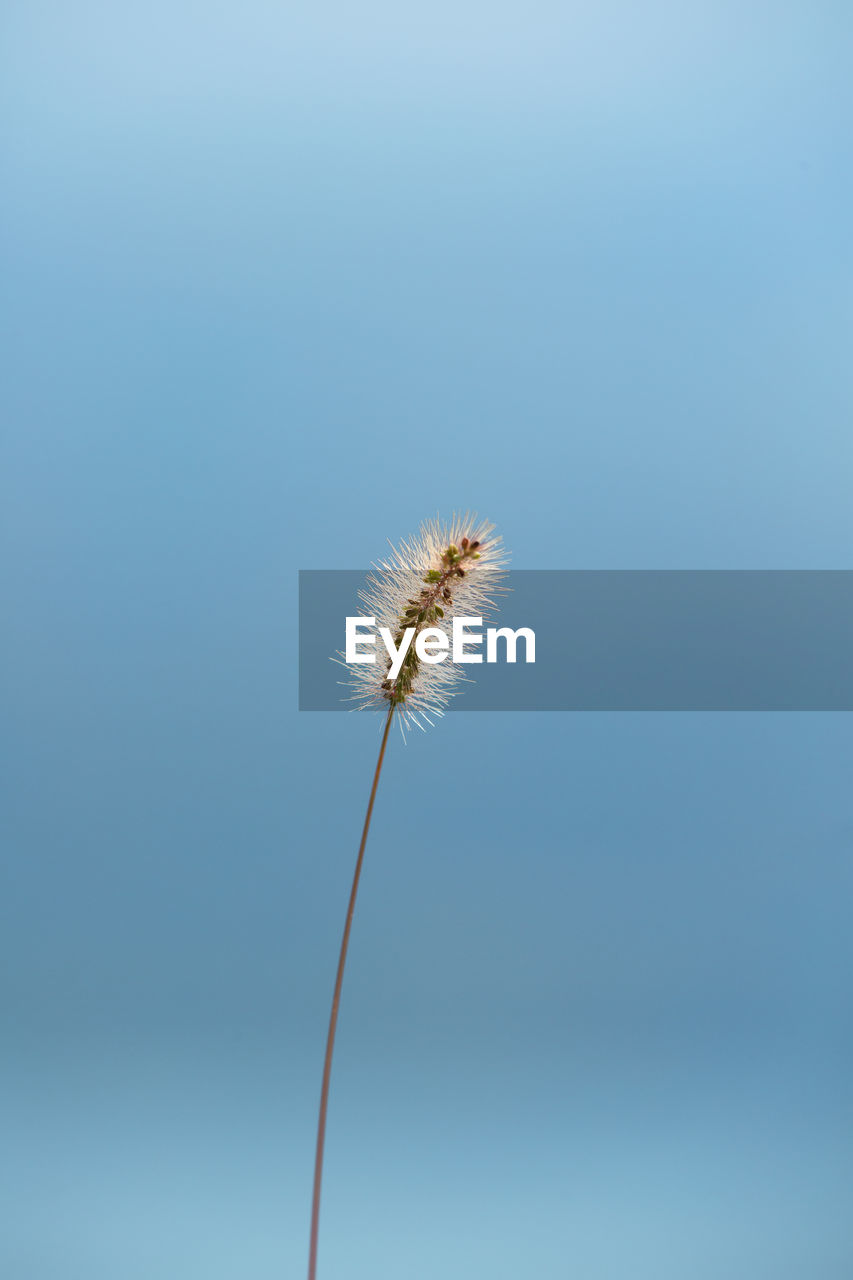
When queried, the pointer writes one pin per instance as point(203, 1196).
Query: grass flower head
point(446, 570)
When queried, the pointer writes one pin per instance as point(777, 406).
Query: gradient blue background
point(278, 282)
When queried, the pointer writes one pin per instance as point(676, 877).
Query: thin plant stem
point(333, 1019)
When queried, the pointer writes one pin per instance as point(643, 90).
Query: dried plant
point(445, 571)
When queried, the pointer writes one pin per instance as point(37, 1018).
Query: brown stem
point(333, 1020)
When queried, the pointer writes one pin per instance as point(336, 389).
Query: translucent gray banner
point(629, 640)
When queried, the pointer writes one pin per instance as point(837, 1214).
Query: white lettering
point(511, 638)
point(354, 639)
point(396, 655)
point(432, 644)
point(461, 638)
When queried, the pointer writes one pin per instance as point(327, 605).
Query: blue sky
point(279, 283)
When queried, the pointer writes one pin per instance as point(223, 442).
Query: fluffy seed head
point(445, 570)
